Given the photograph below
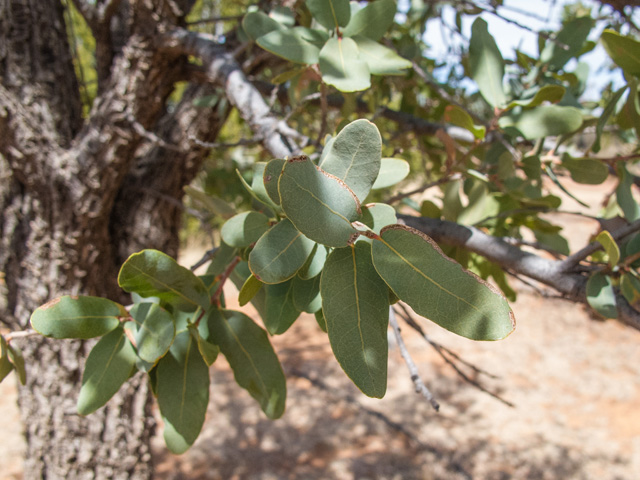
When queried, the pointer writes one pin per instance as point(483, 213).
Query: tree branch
point(222, 69)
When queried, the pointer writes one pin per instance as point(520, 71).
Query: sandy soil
point(574, 383)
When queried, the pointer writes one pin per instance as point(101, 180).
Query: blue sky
point(544, 14)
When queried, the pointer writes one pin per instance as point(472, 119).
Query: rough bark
point(75, 200)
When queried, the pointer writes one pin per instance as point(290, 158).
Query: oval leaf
point(544, 121)
point(77, 317)
point(257, 24)
point(108, 366)
point(610, 247)
point(355, 304)
point(279, 253)
point(320, 205)
point(155, 331)
point(392, 171)
point(355, 156)
point(373, 20)
point(255, 365)
point(438, 288)
point(249, 290)
point(183, 392)
point(486, 64)
point(280, 309)
point(548, 93)
point(624, 195)
point(244, 229)
point(342, 67)
point(290, 44)
point(315, 262)
point(380, 59)
point(330, 13)
point(306, 294)
point(585, 170)
point(151, 273)
point(623, 50)
point(376, 216)
point(461, 118)
point(17, 359)
point(6, 367)
point(270, 177)
point(601, 296)
point(568, 43)
point(630, 288)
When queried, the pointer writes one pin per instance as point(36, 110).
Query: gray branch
point(222, 69)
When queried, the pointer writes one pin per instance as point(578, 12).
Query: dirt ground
point(574, 383)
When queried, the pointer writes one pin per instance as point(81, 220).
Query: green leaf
point(342, 67)
point(291, 44)
point(610, 247)
point(222, 257)
point(438, 288)
point(249, 289)
point(372, 21)
point(255, 365)
point(461, 118)
point(257, 24)
point(151, 273)
point(155, 331)
point(320, 205)
point(270, 177)
point(77, 317)
point(207, 348)
point(315, 262)
point(183, 392)
point(601, 296)
point(623, 50)
point(376, 216)
point(355, 156)
point(108, 366)
point(609, 109)
point(355, 305)
point(625, 198)
point(279, 253)
point(380, 59)
point(548, 93)
point(257, 190)
point(16, 358)
point(330, 13)
point(544, 121)
point(6, 367)
point(568, 43)
point(630, 288)
point(306, 294)
point(211, 204)
point(392, 171)
point(585, 170)
point(280, 309)
point(244, 229)
point(321, 321)
point(486, 64)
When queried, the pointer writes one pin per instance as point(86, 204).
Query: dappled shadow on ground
point(574, 383)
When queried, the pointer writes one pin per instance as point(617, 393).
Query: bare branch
point(221, 68)
point(413, 369)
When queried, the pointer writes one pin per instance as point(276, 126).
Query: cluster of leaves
point(313, 247)
point(340, 37)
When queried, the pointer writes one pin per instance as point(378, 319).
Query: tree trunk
point(75, 201)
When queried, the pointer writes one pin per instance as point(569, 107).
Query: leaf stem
point(215, 298)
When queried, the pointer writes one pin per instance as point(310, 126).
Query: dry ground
point(574, 381)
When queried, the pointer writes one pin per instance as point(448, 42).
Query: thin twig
point(215, 298)
point(442, 350)
point(239, 143)
point(400, 196)
point(226, 18)
point(573, 260)
point(413, 369)
point(208, 255)
point(21, 334)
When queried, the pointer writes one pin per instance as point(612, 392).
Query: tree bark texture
point(76, 198)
